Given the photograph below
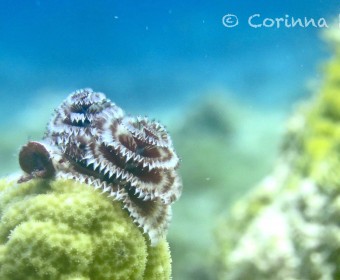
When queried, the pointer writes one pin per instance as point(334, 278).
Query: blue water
point(156, 54)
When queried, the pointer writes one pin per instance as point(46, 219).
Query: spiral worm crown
point(132, 159)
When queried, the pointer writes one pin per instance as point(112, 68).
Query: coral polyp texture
point(288, 228)
point(62, 229)
point(132, 159)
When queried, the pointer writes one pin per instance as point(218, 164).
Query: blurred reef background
point(225, 95)
point(289, 225)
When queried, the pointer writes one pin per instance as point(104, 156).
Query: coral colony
point(64, 230)
point(90, 140)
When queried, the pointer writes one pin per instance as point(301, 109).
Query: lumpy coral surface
point(66, 230)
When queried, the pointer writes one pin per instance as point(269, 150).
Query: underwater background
point(225, 94)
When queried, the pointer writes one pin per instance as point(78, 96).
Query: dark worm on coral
point(132, 159)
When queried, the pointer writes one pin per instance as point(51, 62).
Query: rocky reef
point(288, 227)
point(61, 229)
point(231, 138)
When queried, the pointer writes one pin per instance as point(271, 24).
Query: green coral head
point(62, 229)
